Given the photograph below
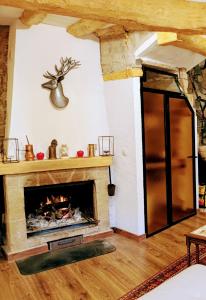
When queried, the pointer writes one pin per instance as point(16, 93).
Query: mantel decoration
point(80, 153)
point(106, 145)
point(54, 84)
point(29, 152)
point(91, 150)
point(9, 149)
point(64, 151)
point(52, 149)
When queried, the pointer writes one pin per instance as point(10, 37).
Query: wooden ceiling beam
point(194, 43)
point(112, 32)
point(166, 38)
point(85, 27)
point(30, 18)
point(152, 15)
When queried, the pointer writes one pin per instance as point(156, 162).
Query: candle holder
point(106, 145)
point(9, 150)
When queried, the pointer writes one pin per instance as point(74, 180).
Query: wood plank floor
point(105, 277)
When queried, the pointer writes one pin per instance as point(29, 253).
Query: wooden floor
point(105, 277)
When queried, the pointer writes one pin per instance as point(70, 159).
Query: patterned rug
point(171, 270)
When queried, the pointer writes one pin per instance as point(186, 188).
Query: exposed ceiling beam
point(103, 30)
point(153, 15)
point(195, 43)
point(166, 38)
point(30, 18)
point(112, 32)
point(84, 27)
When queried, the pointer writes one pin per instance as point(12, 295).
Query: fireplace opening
point(53, 207)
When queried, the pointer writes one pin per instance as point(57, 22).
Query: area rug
point(158, 278)
point(52, 259)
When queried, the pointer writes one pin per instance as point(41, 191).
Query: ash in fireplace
point(43, 222)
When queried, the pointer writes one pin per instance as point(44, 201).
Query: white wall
point(85, 118)
point(124, 114)
point(38, 49)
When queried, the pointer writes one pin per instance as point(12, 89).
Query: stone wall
point(4, 35)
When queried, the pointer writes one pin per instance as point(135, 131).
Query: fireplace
point(31, 190)
point(57, 206)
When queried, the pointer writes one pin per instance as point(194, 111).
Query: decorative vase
point(29, 153)
point(91, 150)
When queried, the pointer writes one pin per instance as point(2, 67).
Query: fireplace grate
point(53, 230)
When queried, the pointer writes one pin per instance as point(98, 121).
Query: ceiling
point(150, 50)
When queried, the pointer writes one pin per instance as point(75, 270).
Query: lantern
point(106, 145)
point(9, 150)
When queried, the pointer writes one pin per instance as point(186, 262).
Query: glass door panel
point(181, 147)
point(154, 138)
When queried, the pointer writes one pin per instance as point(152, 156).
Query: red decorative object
point(40, 155)
point(80, 153)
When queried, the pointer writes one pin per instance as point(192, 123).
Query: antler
point(67, 65)
point(48, 75)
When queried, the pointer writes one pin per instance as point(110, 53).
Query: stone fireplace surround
point(37, 173)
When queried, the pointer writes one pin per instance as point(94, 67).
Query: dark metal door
point(169, 159)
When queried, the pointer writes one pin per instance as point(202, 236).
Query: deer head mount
point(54, 84)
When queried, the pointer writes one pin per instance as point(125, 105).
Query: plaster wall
point(124, 115)
point(95, 108)
point(37, 50)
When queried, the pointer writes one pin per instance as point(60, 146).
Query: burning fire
point(62, 199)
point(48, 201)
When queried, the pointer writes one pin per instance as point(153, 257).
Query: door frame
point(167, 95)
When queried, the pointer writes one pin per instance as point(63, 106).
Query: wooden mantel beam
point(155, 15)
point(30, 18)
point(195, 43)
